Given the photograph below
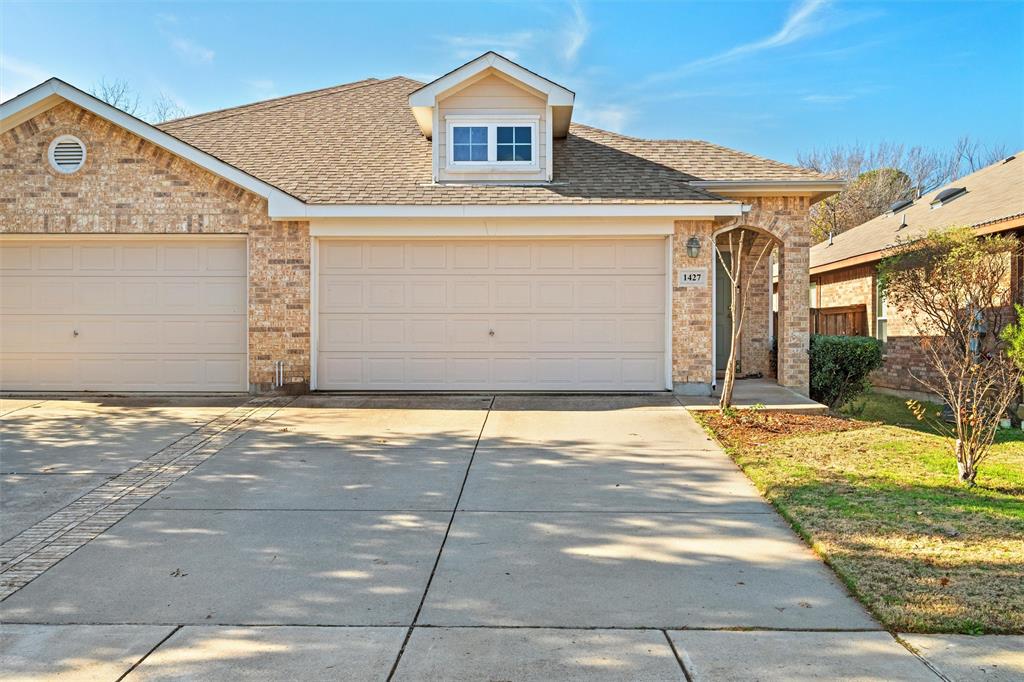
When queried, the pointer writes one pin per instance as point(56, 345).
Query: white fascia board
point(556, 94)
point(494, 228)
point(770, 186)
point(708, 210)
point(54, 86)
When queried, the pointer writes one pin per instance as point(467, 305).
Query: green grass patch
point(879, 499)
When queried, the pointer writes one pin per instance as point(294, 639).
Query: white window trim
point(881, 313)
point(492, 164)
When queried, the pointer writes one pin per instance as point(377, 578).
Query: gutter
point(822, 187)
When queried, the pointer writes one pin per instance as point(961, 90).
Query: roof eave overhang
point(52, 92)
point(688, 211)
point(816, 189)
point(990, 227)
point(424, 100)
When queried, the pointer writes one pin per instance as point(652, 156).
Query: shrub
point(840, 366)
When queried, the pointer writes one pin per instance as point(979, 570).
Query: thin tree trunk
point(739, 289)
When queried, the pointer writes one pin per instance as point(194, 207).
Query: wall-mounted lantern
point(693, 247)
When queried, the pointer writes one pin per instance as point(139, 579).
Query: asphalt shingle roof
point(994, 193)
point(358, 143)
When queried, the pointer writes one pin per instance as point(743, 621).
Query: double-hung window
point(881, 314)
point(493, 143)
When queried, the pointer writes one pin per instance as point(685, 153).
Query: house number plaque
point(693, 278)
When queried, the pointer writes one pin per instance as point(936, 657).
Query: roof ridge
point(274, 101)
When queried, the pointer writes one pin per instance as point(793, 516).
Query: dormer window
point(480, 143)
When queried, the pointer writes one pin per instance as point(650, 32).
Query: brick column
point(755, 346)
point(279, 289)
point(691, 311)
point(793, 334)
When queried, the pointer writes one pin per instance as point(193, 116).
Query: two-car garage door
point(117, 313)
point(543, 314)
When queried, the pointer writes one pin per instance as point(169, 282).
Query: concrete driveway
point(416, 538)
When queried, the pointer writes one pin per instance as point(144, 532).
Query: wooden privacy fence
point(846, 320)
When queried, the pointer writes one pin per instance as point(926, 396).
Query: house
point(464, 234)
point(844, 270)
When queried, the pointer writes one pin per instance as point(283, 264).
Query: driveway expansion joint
point(440, 550)
point(35, 550)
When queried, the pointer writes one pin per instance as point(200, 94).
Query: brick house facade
point(136, 183)
point(845, 272)
point(158, 193)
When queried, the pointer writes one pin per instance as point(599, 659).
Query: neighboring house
point(844, 270)
point(459, 235)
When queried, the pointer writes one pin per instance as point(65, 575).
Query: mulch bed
point(753, 427)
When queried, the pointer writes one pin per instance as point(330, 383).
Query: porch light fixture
point(693, 247)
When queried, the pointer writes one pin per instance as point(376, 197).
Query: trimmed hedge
point(840, 366)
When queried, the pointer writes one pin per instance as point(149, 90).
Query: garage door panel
point(549, 256)
point(119, 295)
point(155, 316)
point(55, 258)
point(21, 372)
point(14, 257)
point(578, 333)
point(97, 258)
point(139, 258)
point(502, 371)
point(98, 334)
point(499, 292)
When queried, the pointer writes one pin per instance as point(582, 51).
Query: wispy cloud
point(609, 117)
point(17, 75)
point(192, 51)
point(263, 88)
point(575, 32)
point(821, 98)
point(511, 45)
point(803, 22)
point(568, 30)
point(188, 49)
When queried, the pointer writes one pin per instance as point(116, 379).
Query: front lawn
point(875, 493)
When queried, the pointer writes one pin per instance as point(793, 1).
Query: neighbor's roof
point(994, 194)
point(359, 144)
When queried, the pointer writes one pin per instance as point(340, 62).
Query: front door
point(723, 315)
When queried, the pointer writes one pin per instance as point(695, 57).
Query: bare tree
point(888, 172)
point(740, 287)
point(166, 108)
point(955, 289)
point(969, 155)
point(118, 94)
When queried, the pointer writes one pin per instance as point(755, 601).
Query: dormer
point(491, 120)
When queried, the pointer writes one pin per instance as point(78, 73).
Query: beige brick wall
point(785, 219)
point(129, 185)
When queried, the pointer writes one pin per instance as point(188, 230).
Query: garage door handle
point(490, 333)
point(75, 332)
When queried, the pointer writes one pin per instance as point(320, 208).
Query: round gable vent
point(67, 154)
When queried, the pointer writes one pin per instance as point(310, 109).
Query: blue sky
point(771, 78)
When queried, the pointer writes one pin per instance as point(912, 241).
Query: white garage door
point(123, 314)
point(480, 315)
